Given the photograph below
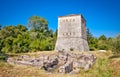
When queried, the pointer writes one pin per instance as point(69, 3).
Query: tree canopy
point(38, 24)
point(17, 39)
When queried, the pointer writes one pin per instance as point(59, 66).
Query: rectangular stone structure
point(71, 33)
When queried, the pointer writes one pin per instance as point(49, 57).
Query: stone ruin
point(62, 62)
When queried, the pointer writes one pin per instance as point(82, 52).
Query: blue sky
point(103, 16)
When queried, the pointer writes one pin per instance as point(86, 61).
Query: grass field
point(106, 65)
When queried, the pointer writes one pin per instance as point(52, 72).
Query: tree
point(92, 41)
point(0, 38)
point(12, 31)
point(89, 35)
point(21, 28)
point(1, 43)
point(55, 33)
point(14, 39)
point(7, 31)
point(42, 38)
point(7, 44)
point(35, 45)
point(115, 45)
point(38, 24)
point(0, 26)
point(103, 43)
point(17, 39)
point(102, 37)
point(21, 43)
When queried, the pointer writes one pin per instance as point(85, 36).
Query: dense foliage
point(38, 37)
point(115, 45)
point(19, 38)
point(103, 43)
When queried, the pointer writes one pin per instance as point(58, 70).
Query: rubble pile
point(64, 62)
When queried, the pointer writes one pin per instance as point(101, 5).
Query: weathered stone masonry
point(71, 33)
point(64, 62)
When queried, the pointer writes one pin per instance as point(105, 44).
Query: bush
point(103, 47)
point(2, 56)
point(71, 49)
point(115, 45)
point(92, 48)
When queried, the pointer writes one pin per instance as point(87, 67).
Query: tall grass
point(103, 69)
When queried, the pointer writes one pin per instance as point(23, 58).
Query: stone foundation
point(64, 62)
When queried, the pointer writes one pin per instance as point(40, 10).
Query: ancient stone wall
point(71, 33)
point(64, 62)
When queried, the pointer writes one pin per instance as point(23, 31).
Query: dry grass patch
point(115, 65)
point(104, 67)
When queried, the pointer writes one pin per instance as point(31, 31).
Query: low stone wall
point(68, 67)
point(65, 62)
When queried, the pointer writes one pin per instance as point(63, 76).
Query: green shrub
point(115, 45)
point(71, 49)
point(92, 48)
point(103, 47)
point(2, 56)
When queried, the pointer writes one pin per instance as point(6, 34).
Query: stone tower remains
point(71, 33)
